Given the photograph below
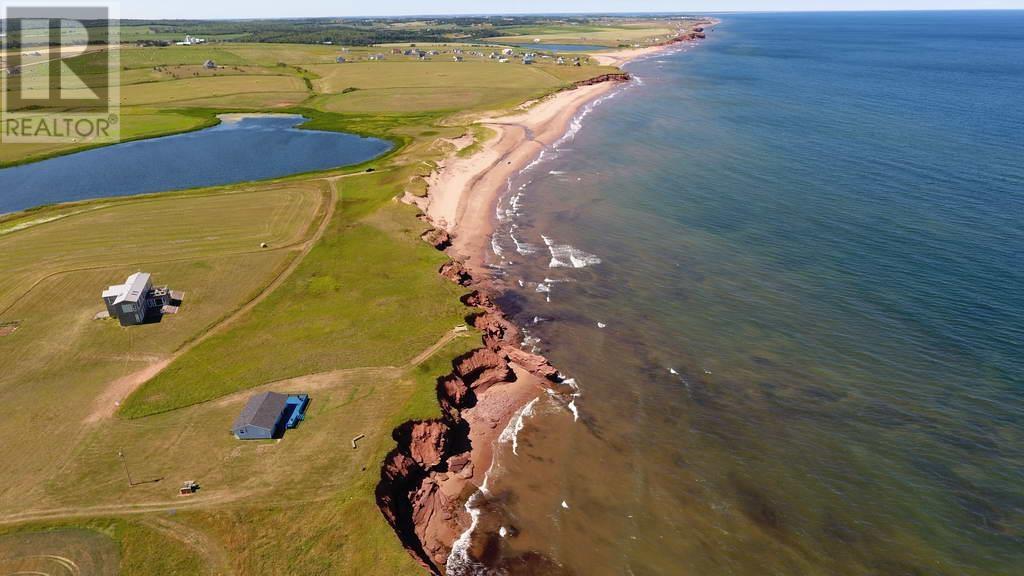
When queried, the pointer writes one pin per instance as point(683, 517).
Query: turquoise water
point(254, 148)
point(804, 239)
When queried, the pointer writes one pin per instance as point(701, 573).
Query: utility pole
point(120, 454)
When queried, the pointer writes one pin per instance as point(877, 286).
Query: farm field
point(606, 35)
point(395, 86)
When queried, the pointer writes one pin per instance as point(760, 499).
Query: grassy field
point(406, 86)
point(55, 271)
point(360, 298)
point(103, 547)
point(603, 35)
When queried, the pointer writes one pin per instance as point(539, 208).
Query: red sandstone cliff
point(424, 480)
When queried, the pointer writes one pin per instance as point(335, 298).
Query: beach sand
point(464, 192)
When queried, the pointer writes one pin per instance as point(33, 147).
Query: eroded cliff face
point(425, 479)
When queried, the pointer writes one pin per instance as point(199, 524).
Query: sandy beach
point(464, 192)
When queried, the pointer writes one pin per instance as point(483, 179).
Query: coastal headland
point(319, 283)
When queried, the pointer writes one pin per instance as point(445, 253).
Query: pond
point(239, 149)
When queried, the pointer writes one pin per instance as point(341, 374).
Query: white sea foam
point(516, 425)
point(495, 245)
point(567, 256)
point(523, 248)
point(459, 563)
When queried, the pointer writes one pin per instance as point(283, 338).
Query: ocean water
point(253, 148)
point(785, 270)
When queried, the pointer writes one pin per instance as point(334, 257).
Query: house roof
point(263, 411)
point(134, 288)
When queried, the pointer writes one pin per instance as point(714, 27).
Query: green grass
point(402, 86)
point(481, 134)
point(366, 295)
point(55, 271)
point(422, 404)
point(98, 547)
point(606, 35)
point(172, 228)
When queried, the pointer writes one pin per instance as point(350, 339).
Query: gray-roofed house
point(266, 415)
point(262, 417)
point(137, 301)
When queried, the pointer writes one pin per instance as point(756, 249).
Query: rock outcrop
point(612, 77)
point(456, 272)
point(437, 238)
point(423, 481)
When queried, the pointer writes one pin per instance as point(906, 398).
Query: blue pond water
point(253, 148)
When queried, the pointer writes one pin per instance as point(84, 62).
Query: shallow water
point(811, 285)
point(252, 148)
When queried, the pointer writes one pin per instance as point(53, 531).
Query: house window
point(127, 308)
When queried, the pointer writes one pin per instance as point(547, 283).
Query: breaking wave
point(567, 256)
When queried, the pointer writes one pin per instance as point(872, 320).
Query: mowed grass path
point(366, 295)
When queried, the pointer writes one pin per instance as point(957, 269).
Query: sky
point(310, 8)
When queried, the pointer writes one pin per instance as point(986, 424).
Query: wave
point(568, 256)
point(516, 425)
point(459, 562)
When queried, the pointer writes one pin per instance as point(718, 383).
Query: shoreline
point(427, 484)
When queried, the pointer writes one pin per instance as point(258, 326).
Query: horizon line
point(578, 13)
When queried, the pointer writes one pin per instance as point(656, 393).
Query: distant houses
point(191, 41)
point(267, 415)
point(138, 302)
